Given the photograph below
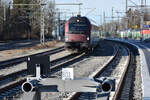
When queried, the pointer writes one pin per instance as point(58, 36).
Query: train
point(78, 34)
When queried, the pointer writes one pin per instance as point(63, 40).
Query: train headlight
point(88, 38)
point(66, 38)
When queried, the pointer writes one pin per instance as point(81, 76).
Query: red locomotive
point(78, 34)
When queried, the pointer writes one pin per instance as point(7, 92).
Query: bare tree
point(49, 18)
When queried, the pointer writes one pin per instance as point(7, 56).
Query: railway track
point(11, 83)
point(129, 88)
point(16, 79)
point(108, 70)
point(14, 61)
point(12, 76)
point(12, 80)
point(120, 84)
point(14, 88)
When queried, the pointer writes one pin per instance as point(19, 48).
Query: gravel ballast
point(86, 66)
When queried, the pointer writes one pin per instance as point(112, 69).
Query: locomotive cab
point(78, 33)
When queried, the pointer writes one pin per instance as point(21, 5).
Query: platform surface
point(144, 50)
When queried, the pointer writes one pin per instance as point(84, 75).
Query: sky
point(97, 7)
point(94, 9)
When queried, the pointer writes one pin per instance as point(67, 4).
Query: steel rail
point(7, 63)
point(122, 80)
point(96, 74)
point(54, 68)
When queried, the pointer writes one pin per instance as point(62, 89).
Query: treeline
point(23, 21)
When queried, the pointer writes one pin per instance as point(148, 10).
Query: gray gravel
point(137, 90)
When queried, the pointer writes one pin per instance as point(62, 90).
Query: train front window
point(78, 28)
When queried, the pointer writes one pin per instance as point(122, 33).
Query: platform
point(145, 71)
point(144, 51)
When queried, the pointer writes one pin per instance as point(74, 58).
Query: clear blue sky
point(100, 5)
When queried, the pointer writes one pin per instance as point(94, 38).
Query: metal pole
point(4, 19)
point(133, 23)
point(100, 23)
point(104, 25)
point(126, 6)
point(112, 27)
point(59, 35)
point(4, 12)
point(79, 9)
point(42, 38)
point(142, 2)
point(118, 22)
point(65, 16)
point(112, 13)
point(126, 25)
point(145, 7)
point(142, 19)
